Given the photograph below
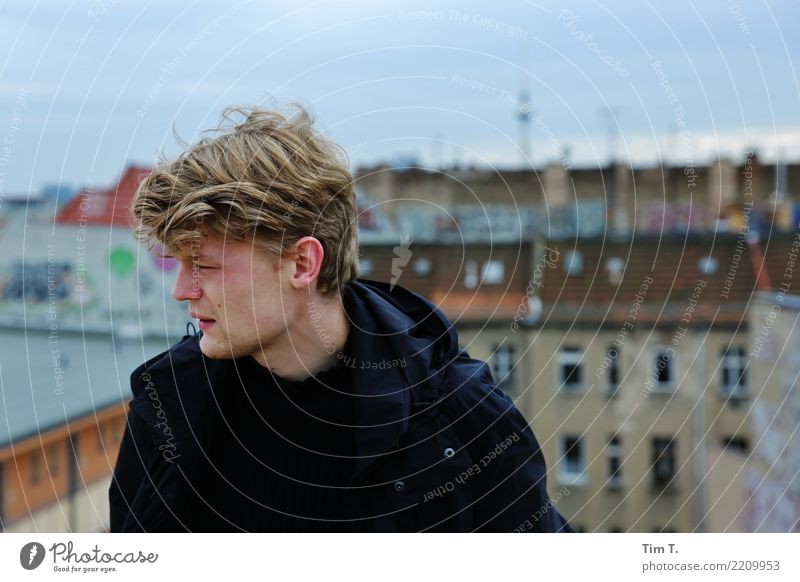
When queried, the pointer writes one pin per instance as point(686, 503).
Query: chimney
point(724, 199)
point(620, 199)
point(557, 189)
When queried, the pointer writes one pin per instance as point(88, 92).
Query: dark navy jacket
point(439, 447)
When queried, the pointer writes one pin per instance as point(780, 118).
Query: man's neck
point(312, 344)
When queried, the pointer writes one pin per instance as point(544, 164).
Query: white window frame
point(570, 355)
point(503, 366)
point(734, 361)
point(565, 475)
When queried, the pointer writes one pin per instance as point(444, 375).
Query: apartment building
point(631, 359)
point(570, 201)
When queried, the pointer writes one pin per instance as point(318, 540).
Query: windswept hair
point(270, 176)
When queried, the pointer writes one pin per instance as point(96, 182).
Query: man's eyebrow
point(201, 257)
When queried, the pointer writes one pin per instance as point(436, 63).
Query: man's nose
point(186, 286)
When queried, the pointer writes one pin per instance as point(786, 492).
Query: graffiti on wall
point(37, 282)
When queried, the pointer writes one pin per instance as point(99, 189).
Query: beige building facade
point(640, 387)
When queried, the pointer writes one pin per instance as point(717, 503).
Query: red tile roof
point(678, 282)
point(104, 206)
point(590, 297)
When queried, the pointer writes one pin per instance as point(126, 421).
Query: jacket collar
point(403, 343)
point(379, 378)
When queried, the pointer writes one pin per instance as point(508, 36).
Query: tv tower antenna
point(610, 113)
point(524, 111)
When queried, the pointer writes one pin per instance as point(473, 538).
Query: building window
point(503, 366)
point(53, 459)
point(422, 267)
point(734, 373)
point(664, 465)
point(364, 266)
point(101, 447)
point(36, 467)
point(572, 460)
point(570, 372)
point(707, 265)
point(612, 371)
point(738, 444)
point(663, 375)
point(573, 263)
point(493, 272)
point(615, 266)
point(614, 452)
point(470, 274)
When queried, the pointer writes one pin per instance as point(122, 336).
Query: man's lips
point(200, 317)
point(204, 321)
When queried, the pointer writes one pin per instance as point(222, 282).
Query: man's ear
point(307, 254)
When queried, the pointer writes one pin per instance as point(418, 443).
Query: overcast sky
point(88, 87)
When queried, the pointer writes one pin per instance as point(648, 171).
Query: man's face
point(234, 289)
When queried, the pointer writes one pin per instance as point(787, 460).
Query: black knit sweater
point(286, 453)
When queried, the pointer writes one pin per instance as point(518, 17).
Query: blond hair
point(269, 176)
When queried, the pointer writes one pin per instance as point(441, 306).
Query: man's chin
point(215, 352)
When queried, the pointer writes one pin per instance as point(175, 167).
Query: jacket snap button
point(448, 452)
point(399, 486)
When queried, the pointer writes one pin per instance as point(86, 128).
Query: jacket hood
point(391, 325)
point(392, 320)
point(399, 344)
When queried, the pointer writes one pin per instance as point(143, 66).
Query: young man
point(310, 400)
